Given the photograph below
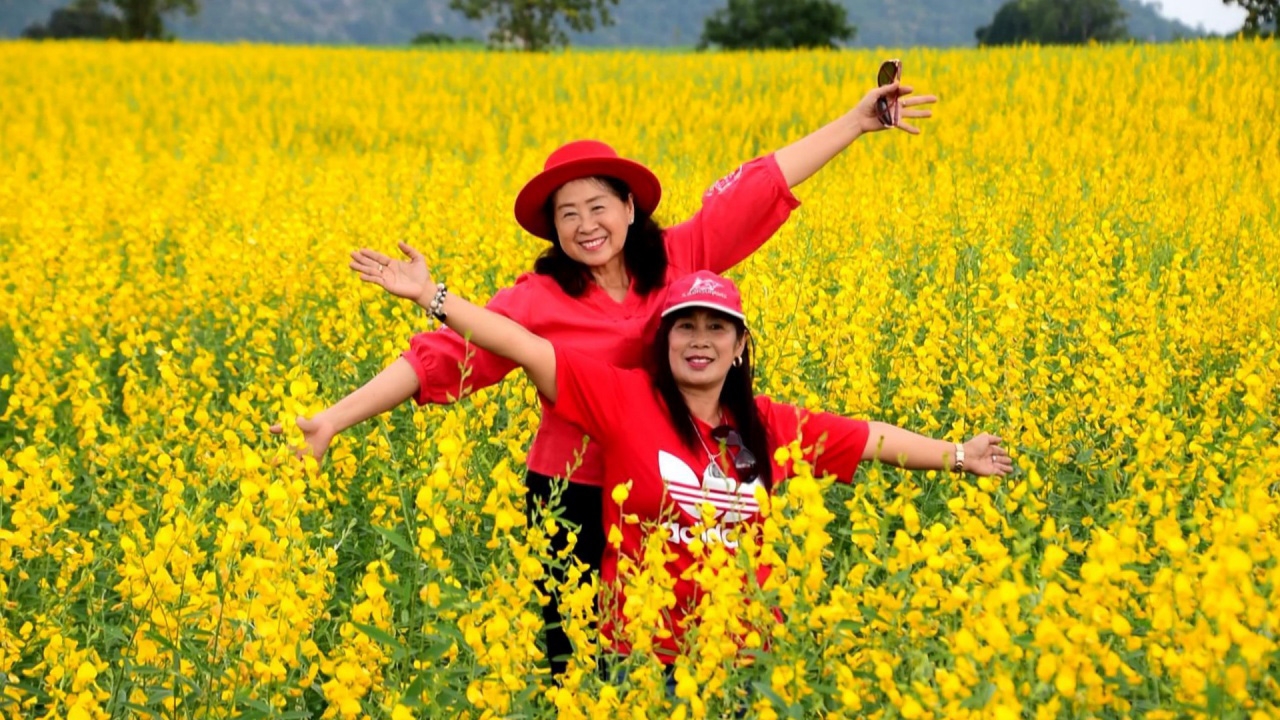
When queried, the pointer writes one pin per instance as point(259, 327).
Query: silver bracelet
point(437, 303)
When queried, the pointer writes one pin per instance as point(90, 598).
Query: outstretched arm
point(983, 455)
point(745, 208)
point(389, 388)
point(438, 366)
point(486, 329)
point(806, 156)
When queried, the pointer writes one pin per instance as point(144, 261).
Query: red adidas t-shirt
point(739, 213)
point(623, 412)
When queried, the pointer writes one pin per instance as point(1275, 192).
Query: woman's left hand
point(984, 455)
point(866, 116)
point(409, 279)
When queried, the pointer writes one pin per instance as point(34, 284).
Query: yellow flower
point(620, 493)
point(175, 222)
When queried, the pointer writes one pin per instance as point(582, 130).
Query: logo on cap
point(705, 286)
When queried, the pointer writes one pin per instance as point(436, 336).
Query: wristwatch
point(957, 464)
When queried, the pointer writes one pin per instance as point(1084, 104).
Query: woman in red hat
point(596, 289)
point(691, 435)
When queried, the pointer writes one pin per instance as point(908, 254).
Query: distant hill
point(661, 23)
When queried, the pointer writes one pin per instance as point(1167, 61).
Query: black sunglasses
point(890, 71)
point(744, 461)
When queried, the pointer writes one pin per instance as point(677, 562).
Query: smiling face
point(701, 348)
point(591, 221)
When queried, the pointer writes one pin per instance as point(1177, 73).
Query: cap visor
point(702, 304)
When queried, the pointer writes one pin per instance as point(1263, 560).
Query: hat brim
point(644, 185)
point(705, 304)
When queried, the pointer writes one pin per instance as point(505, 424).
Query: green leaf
point(379, 635)
point(163, 641)
point(255, 710)
point(850, 626)
point(412, 697)
point(451, 631)
point(398, 591)
point(141, 710)
point(980, 697)
point(766, 690)
point(899, 578)
point(155, 696)
point(435, 651)
point(394, 538)
point(1217, 700)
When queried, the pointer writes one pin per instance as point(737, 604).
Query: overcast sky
point(1213, 14)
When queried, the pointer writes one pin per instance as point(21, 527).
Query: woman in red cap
point(692, 434)
point(596, 289)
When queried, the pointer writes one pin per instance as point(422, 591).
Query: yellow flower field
point(1081, 253)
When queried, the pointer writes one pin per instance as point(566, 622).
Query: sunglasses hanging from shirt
point(744, 461)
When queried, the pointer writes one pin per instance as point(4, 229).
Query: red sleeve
point(832, 444)
point(438, 357)
point(595, 395)
point(739, 213)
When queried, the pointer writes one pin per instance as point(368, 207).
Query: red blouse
point(739, 213)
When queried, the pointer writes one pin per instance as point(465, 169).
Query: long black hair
point(644, 253)
point(737, 396)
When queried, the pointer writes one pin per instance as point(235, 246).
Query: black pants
point(580, 508)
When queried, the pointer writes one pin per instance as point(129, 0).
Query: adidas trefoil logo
point(733, 501)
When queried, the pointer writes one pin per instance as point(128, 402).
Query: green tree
point(1054, 22)
point(84, 19)
point(433, 38)
point(536, 24)
point(143, 19)
point(1010, 26)
point(1079, 21)
point(132, 19)
point(1261, 13)
point(759, 24)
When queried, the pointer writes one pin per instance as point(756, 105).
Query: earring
point(737, 362)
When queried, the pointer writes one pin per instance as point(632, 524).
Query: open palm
point(409, 278)
point(984, 455)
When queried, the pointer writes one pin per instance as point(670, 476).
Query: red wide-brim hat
point(574, 161)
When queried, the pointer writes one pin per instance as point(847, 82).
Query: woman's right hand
point(409, 279)
point(866, 115)
point(316, 433)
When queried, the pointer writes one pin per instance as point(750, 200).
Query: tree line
point(537, 25)
point(112, 19)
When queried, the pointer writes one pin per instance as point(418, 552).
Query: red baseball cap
point(574, 161)
point(704, 289)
